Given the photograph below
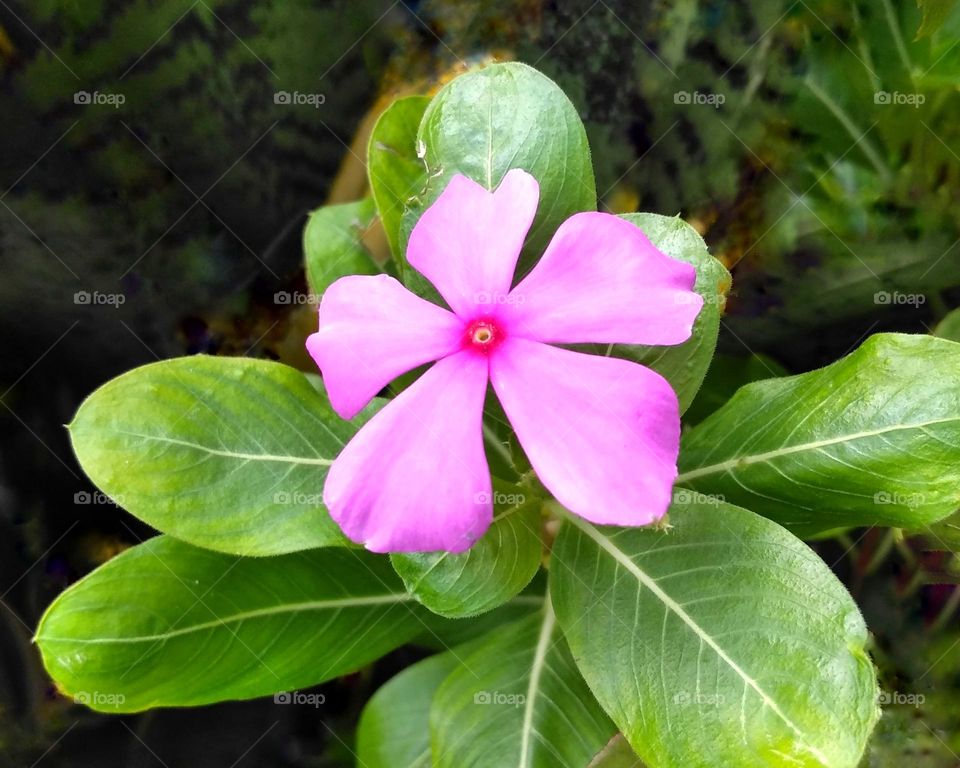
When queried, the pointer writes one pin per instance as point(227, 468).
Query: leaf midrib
point(757, 458)
point(533, 686)
point(274, 610)
point(650, 583)
point(316, 460)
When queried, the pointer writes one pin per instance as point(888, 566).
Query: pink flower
point(601, 433)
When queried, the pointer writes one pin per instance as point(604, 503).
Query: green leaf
point(949, 326)
point(396, 172)
point(167, 624)
point(935, 13)
point(684, 365)
point(943, 535)
point(332, 244)
point(517, 699)
point(442, 633)
point(873, 439)
point(394, 729)
point(488, 574)
point(225, 453)
point(503, 116)
point(723, 636)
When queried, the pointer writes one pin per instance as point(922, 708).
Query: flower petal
point(415, 477)
point(602, 280)
point(467, 243)
point(372, 329)
point(601, 433)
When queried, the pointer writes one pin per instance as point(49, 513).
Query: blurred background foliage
point(828, 179)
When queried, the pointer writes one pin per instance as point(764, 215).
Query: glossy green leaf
point(873, 439)
point(488, 574)
point(517, 699)
point(396, 173)
point(332, 244)
point(723, 640)
point(503, 116)
point(168, 624)
point(226, 453)
point(394, 729)
point(684, 365)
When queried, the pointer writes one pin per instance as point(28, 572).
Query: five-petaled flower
point(601, 433)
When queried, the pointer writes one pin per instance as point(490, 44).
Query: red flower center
point(483, 335)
